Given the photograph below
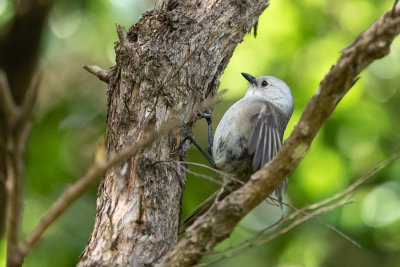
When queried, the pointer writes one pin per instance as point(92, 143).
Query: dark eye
point(264, 83)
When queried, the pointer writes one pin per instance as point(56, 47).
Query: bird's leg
point(208, 117)
point(194, 141)
point(189, 136)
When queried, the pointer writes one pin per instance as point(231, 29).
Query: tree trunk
point(172, 58)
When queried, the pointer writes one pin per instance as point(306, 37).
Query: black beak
point(250, 78)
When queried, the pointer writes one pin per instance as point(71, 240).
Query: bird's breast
point(231, 140)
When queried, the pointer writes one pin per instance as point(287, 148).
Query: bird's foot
point(188, 136)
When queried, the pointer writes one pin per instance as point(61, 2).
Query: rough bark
point(19, 50)
point(172, 58)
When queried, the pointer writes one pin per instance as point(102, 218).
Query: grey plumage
point(249, 135)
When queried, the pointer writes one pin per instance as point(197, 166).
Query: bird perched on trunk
point(249, 135)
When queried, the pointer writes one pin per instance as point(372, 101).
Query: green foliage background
point(297, 41)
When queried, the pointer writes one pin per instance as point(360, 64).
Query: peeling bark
point(171, 59)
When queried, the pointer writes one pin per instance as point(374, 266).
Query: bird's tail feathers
point(280, 190)
point(203, 208)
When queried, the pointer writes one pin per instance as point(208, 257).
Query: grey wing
point(266, 136)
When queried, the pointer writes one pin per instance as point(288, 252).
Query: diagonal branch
point(219, 222)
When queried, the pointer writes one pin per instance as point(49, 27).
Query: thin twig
point(100, 73)
point(247, 241)
point(223, 174)
point(340, 233)
point(344, 201)
point(330, 226)
point(357, 183)
point(202, 175)
point(122, 35)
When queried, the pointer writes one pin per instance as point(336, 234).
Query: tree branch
point(100, 73)
point(17, 131)
point(219, 222)
point(16, 144)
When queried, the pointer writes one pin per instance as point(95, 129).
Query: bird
point(248, 136)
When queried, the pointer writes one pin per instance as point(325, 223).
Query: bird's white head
point(272, 90)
